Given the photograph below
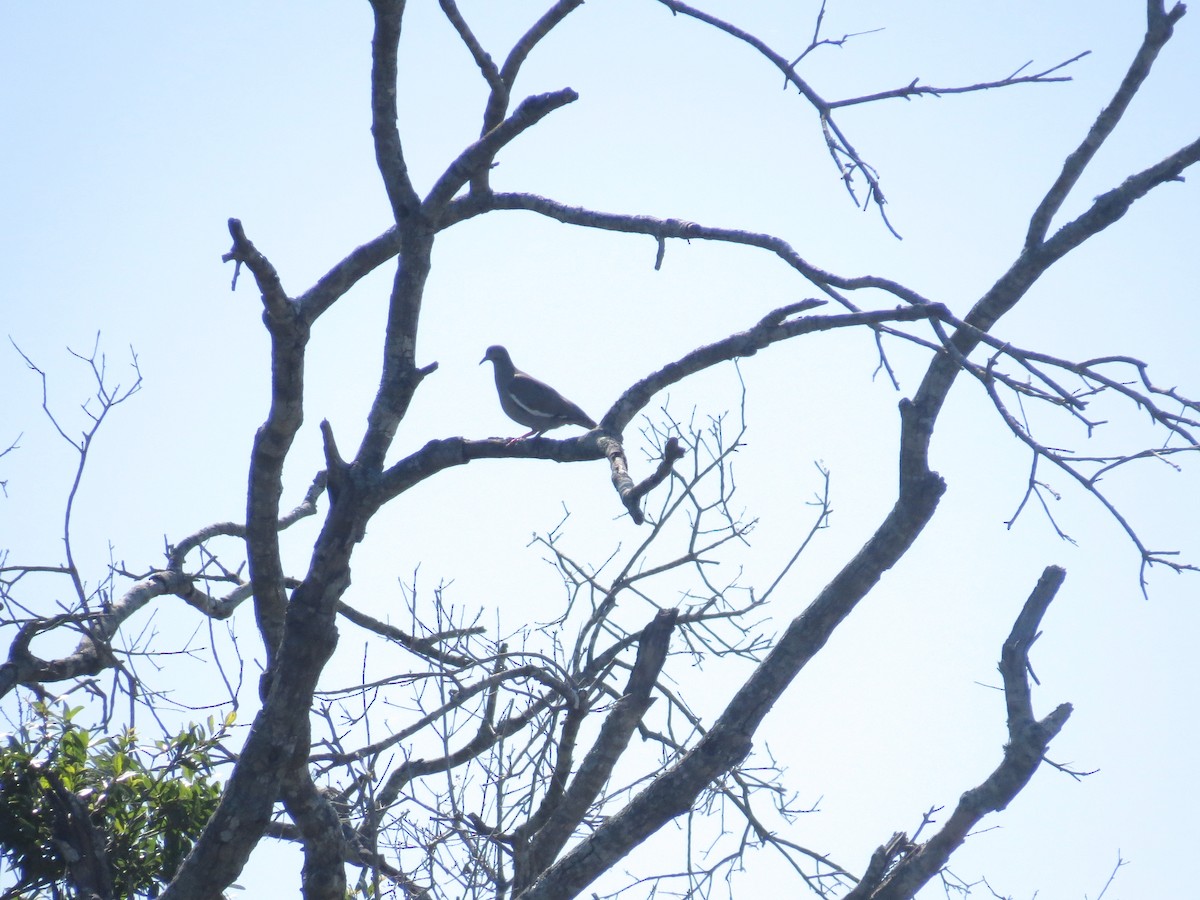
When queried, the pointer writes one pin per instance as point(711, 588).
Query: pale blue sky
point(133, 131)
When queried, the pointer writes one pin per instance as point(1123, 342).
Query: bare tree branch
point(496, 761)
point(845, 156)
point(900, 869)
point(1160, 25)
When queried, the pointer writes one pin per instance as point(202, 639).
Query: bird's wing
point(539, 398)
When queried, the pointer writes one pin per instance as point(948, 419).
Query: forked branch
point(900, 868)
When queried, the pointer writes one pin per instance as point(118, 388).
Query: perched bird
point(530, 402)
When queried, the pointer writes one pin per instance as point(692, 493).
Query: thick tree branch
point(911, 866)
point(299, 631)
point(507, 723)
point(94, 653)
point(483, 60)
point(400, 377)
point(439, 455)
point(79, 842)
point(289, 336)
point(1035, 260)
point(478, 157)
point(389, 150)
point(335, 283)
point(774, 327)
point(729, 740)
point(523, 47)
point(279, 740)
point(274, 297)
point(597, 766)
point(498, 101)
point(323, 876)
point(631, 494)
point(1159, 27)
point(1109, 207)
point(662, 229)
point(501, 80)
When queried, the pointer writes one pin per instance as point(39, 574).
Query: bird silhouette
point(530, 402)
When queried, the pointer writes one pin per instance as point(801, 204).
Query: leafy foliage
point(145, 804)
